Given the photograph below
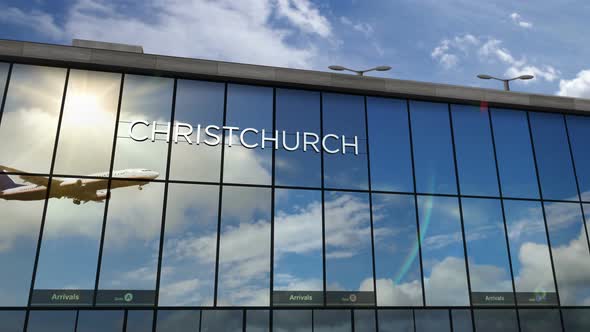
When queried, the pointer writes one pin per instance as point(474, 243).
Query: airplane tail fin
point(6, 182)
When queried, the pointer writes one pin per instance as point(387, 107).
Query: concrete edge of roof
point(39, 53)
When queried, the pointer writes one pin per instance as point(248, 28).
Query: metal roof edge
point(31, 52)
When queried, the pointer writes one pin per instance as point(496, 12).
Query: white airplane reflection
point(80, 190)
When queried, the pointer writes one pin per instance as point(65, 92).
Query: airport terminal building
point(142, 192)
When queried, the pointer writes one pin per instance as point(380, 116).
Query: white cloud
point(572, 270)
point(547, 73)
point(240, 31)
point(391, 294)
point(576, 87)
point(448, 51)
point(299, 232)
point(493, 51)
point(368, 32)
point(447, 283)
point(345, 20)
point(285, 281)
point(517, 19)
point(347, 224)
point(40, 22)
point(183, 292)
point(305, 15)
point(362, 27)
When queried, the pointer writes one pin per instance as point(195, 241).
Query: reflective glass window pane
point(19, 233)
point(553, 156)
point(12, 321)
point(221, 320)
point(32, 105)
point(515, 154)
point(197, 104)
point(445, 280)
point(52, 321)
point(146, 99)
point(131, 244)
point(298, 263)
point(433, 148)
point(364, 321)
point(496, 320)
point(531, 263)
point(100, 321)
point(348, 243)
point(389, 140)
point(139, 321)
point(475, 152)
point(257, 321)
point(576, 320)
point(396, 320)
point(579, 133)
point(88, 123)
point(489, 266)
point(462, 320)
point(298, 112)
point(586, 210)
point(244, 252)
point(569, 246)
point(248, 107)
point(292, 321)
point(539, 320)
point(190, 245)
point(71, 239)
point(3, 76)
point(332, 321)
point(344, 115)
point(178, 320)
point(432, 320)
point(397, 259)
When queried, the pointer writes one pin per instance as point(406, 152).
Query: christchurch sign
point(250, 138)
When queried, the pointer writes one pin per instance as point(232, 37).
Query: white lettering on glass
point(216, 137)
point(329, 143)
point(155, 131)
point(186, 134)
point(132, 125)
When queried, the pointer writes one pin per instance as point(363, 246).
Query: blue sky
point(425, 40)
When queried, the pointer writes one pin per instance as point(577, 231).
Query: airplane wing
point(33, 179)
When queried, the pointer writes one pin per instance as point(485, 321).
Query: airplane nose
point(154, 174)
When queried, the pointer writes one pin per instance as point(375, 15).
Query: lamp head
point(484, 76)
point(526, 77)
point(382, 68)
point(338, 68)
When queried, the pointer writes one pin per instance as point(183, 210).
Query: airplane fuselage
point(80, 189)
point(24, 193)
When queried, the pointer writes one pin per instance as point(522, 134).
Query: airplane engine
point(69, 183)
point(101, 195)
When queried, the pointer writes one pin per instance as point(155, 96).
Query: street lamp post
point(506, 81)
point(360, 72)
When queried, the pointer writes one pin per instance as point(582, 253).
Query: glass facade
point(134, 203)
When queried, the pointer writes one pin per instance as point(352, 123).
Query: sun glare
point(85, 108)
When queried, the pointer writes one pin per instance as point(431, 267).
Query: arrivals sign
point(507, 298)
point(86, 297)
point(316, 298)
point(62, 297)
point(250, 138)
